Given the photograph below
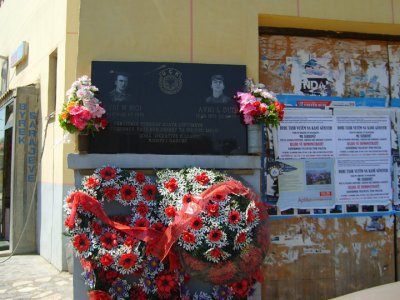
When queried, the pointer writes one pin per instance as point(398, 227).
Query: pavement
point(32, 277)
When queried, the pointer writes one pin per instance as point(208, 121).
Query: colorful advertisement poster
point(365, 181)
point(305, 136)
point(306, 184)
point(363, 136)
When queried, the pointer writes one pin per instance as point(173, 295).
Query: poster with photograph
point(363, 136)
point(363, 180)
point(306, 136)
point(308, 183)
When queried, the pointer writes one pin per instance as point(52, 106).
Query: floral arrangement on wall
point(82, 112)
point(189, 225)
point(259, 106)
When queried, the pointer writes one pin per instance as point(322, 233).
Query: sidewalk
point(32, 277)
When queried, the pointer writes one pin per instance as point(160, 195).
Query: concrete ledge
point(151, 161)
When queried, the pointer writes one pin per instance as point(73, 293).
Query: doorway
point(6, 134)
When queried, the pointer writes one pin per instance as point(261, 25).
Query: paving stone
point(27, 289)
point(31, 277)
point(19, 283)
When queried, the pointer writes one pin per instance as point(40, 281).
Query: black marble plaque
point(169, 108)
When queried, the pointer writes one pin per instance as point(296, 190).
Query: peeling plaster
point(315, 251)
point(292, 241)
point(357, 251)
point(322, 223)
point(362, 221)
point(290, 256)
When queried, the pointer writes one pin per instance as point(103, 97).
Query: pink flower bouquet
point(259, 106)
point(83, 111)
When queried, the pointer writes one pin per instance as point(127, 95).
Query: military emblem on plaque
point(170, 81)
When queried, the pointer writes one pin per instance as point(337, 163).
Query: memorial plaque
point(169, 108)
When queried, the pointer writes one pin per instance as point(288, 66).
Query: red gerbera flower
point(241, 288)
point(187, 198)
point(127, 260)
point(108, 276)
point(81, 242)
point(241, 238)
point(149, 192)
point(217, 253)
point(128, 192)
point(99, 295)
point(170, 211)
point(171, 185)
point(108, 240)
point(139, 177)
point(92, 182)
point(250, 216)
point(130, 241)
point(110, 193)
point(213, 210)
point(143, 222)
point(234, 217)
point(202, 178)
point(142, 209)
point(137, 293)
point(106, 260)
point(165, 284)
point(86, 264)
point(215, 235)
point(188, 237)
point(158, 226)
point(96, 227)
point(197, 223)
point(108, 173)
point(219, 197)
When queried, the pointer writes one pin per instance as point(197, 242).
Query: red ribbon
point(92, 205)
point(160, 244)
point(190, 210)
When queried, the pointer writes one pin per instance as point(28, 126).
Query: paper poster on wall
point(306, 136)
point(394, 133)
point(396, 183)
point(363, 136)
point(308, 183)
point(330, 101)
point(365, 180)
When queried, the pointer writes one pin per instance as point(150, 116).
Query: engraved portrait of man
point(119, 93)
point(217, 86)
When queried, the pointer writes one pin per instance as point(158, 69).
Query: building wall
point(43, 24)
point(223, 31)
point(197, 31)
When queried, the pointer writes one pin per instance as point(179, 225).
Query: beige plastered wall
point(189, 31)
point(214, 31)
point(48, 26)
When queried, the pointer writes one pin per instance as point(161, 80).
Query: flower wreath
point(227, 241)
point(113, 250)
point(210, 220)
